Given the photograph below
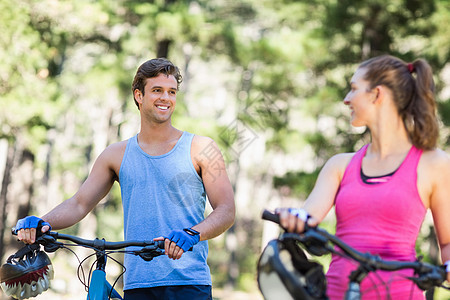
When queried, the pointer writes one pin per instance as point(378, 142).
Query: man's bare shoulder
point(202, 140)
point(116, 149)
point(112, 156)
point(204, 149)
point(201, 144)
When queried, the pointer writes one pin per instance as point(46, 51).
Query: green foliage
point(301, 183)
point(245, 240)
point(23, 76)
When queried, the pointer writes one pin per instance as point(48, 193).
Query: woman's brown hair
point(413, 95)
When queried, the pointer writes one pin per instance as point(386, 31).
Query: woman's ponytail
point(425, 130)
point(412, 87)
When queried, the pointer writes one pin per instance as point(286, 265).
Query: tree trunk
point(15, 195)
point(163, 48)
point(5, 167)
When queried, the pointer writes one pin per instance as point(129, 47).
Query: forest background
point(265, 79)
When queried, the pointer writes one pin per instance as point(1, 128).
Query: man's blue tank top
point(160, 194)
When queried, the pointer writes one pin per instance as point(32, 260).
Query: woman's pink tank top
point(383, 219)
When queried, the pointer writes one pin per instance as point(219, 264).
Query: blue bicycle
point(27, 272)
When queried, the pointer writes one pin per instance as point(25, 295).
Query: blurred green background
point(265, 79)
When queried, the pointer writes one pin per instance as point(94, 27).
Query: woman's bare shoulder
point(436, 158)
point(335, 167)
point(341, 160)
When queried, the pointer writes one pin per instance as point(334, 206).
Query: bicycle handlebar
point(102, 244)
point(316, 241)
point(149, 249)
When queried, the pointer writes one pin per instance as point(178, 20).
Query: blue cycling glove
point(184, 239)
point(31, 222)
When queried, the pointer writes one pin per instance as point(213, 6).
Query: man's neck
point(158, 133)
point(158, 141)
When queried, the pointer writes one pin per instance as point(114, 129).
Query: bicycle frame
point(99, 287)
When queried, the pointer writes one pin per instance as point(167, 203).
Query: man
point(165, 176)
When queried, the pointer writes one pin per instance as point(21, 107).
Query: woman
point(382, 192)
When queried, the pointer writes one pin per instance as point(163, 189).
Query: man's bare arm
point(94, 189)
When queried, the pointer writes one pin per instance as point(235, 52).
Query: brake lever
point(49, 242)
point(149, 252)
point(314, 243)
point(429, 279)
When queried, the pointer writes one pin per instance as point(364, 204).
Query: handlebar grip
point(269, 216)
point(38, 231)
point(160, 244)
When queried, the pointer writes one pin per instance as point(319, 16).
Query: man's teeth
point(162, 107)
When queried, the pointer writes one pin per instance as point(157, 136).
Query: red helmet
point(27, 273)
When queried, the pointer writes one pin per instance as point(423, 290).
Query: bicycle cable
point(80, 269)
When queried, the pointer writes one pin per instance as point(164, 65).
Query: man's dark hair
point(152, 68)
